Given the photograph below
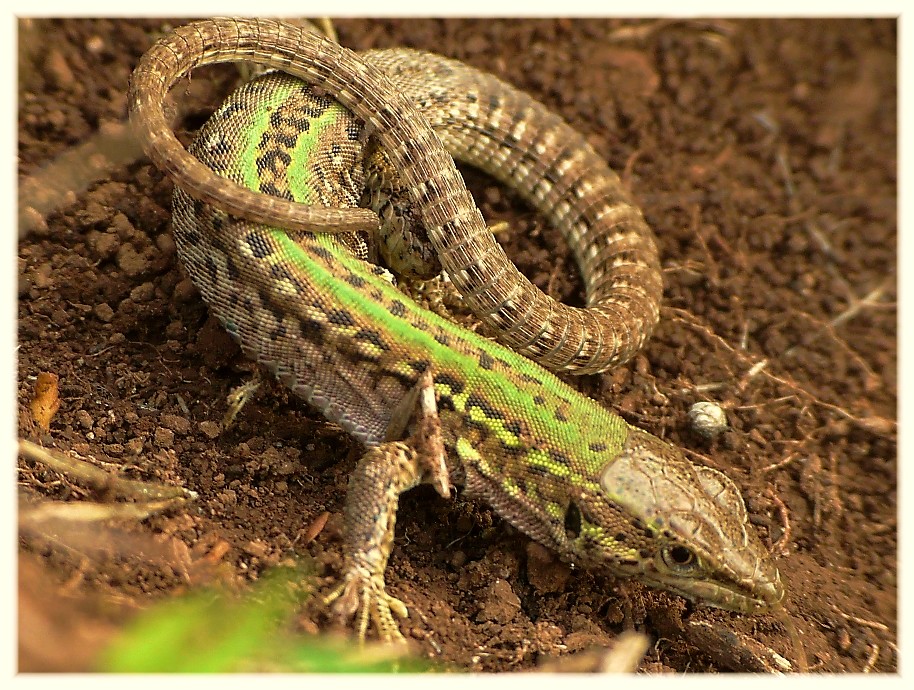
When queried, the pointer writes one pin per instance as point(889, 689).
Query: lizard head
point(676, 526)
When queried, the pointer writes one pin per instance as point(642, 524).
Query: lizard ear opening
point(573, 521)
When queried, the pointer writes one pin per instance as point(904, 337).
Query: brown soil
point(763, 153)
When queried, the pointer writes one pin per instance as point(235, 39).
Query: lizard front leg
point(382, 474)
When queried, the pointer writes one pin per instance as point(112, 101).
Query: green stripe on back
point(519, 396)
point(299, 169)
point(271, 99)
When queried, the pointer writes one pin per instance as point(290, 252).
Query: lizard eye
point(678, 557)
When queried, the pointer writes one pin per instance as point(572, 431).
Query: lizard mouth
point(759, 598)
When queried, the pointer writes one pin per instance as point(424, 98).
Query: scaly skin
point(551, 461)
point(407, 100)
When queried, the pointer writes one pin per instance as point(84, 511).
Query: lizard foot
point(364, 598)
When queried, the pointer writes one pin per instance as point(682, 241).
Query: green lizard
point(551, 461)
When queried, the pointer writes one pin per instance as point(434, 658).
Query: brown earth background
point(763, 153)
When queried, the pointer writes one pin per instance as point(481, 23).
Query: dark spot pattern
point(397, 308)
point(274, 160)
point(198, 207)
point(311, 329)
point(282, 273)
point(372, 337)
point(322, 252)
point(268, 187)
point(233, 272)
point(482, 404)
point(259, 246)
point(211, 268)
point(340, 317)
point(559, 458)
point(354, 280)
point(419, 366)
point(445, 379)
point(280, 332)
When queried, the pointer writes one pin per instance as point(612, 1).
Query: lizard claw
point(364, 597)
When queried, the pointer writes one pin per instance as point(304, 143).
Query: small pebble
point(179, 425)
point(95, 44)
point(84, 419)
point(104, 312)
point(707, 419)
point(210, 429)
point(164, 438)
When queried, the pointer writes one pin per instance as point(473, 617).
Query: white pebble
point(707, 419)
